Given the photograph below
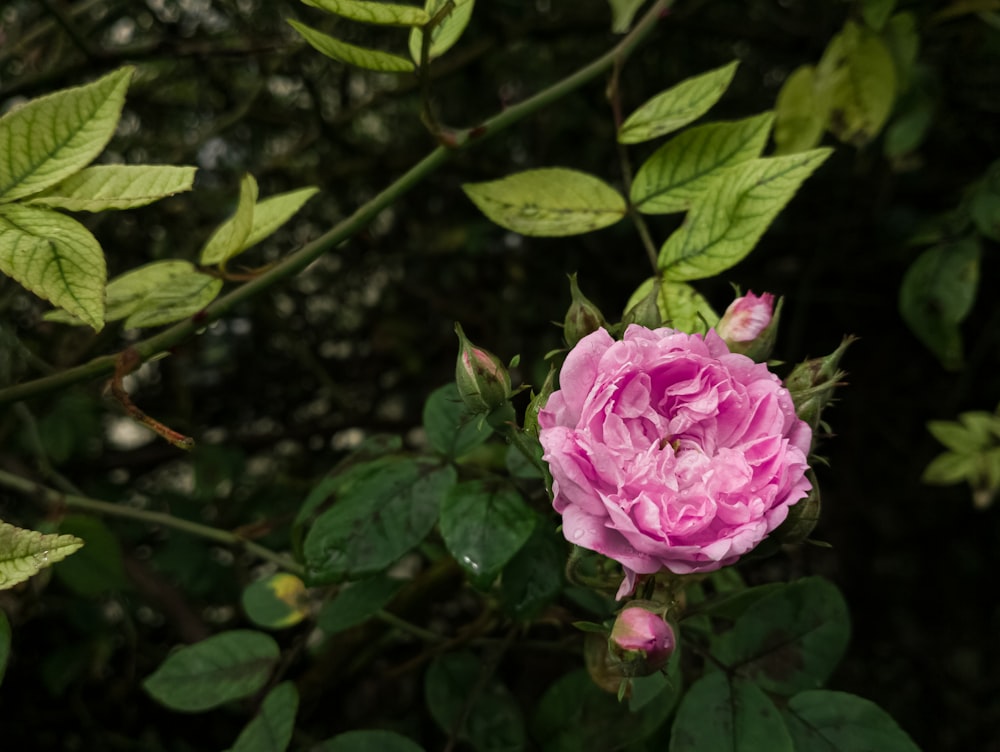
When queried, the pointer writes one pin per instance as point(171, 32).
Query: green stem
point(394, 621)
point(57, 499)
point(296, 262)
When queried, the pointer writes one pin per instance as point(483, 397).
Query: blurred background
point(281, 389)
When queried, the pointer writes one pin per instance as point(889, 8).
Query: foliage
point(350, 557)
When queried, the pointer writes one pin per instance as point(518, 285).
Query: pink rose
point(667, 451)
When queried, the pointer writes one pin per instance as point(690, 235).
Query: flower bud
point(750, 325)
point(646, 312)
point(582, 318)
point(641, 642)
point(483, 382)
point(811, 384)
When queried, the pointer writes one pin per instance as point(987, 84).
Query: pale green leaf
point(56, 258)
point(949, 468)
point(271, 729)
point(24, 553)
point(274, 211)
point(801, 112)
point(677, 106)
point(548, 202)
point(446, 33)
point(679, 170)
point(103, 187)
point(622, 13)
point(362, 57)
point(858, 75)
point(388, 14)
point(957, 437)
point(231, 236)
point(681, 306)
point(52, 137)
point(727, 220)
point(185, 295)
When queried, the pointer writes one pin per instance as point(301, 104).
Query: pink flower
point(667, 451)
point(641, 640)
point(746, 318)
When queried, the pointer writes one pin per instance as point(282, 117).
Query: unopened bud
point(811, 384)
point(646, 312)
point(483, 381)
point(750, 324)
point(582, 318)
point(641, 642)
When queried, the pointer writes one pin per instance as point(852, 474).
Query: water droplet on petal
point(577, 534)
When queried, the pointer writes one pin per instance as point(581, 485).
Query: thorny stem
point(347, 228)
point(128, 361)
point(56, 499)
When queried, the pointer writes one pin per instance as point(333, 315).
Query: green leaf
point(362, 57)
point(231, 236)
point(388, 14)
point(96, 569)
point(382, 509)
point(24, 553)
point(451, 429)
point(369, 741)
point(731, 605)
point(842, 722)
point(271, 729)
point(790, 640)
point(225, 667)
point(574, 715)
point(727, 220)
point(493, 723)
point(736, 716)
point(902, 39)
point(936, 295)
point(102, 187)
point(484, 524)
point(957, 437)
point(681, 169)
point(533, 578)
point(273, 212)
point(4, 644)
point(56, 258)
point(677, 106)
point(357, 603)
point(877, 12)
point(858, 75)
point(445, 34)
point(949, 468)
point(50, 138)
point(681, 306)
point(548, 202)
point(801, 112)
point(912, 119)
point(275, 602)
point(622, 13)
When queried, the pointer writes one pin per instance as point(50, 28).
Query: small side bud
point(647, 311)
point(750, 325)
point(582, 318)
point(812, 383)
point(641, 642)
point(483, 382)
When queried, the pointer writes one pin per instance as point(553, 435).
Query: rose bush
point(667, 451)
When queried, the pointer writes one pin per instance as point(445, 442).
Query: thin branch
point(296, 262)
point(56, 499)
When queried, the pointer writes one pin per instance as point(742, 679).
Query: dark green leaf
point(736, 716)
point(271, 729)
point(486, 716)
point(790, 640)
point(534, 577)
point(275, 602)
point(4, 643)
point(574, 715)
point(381, 510)
point(97, 568)
point(357, 602)
point(936, 295)
point(451, 429)
point(484, 524)
point(369, 741)
point(828, 721)
point(225, 667)
point(731, 605)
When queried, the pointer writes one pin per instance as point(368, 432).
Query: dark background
point(278, 391)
